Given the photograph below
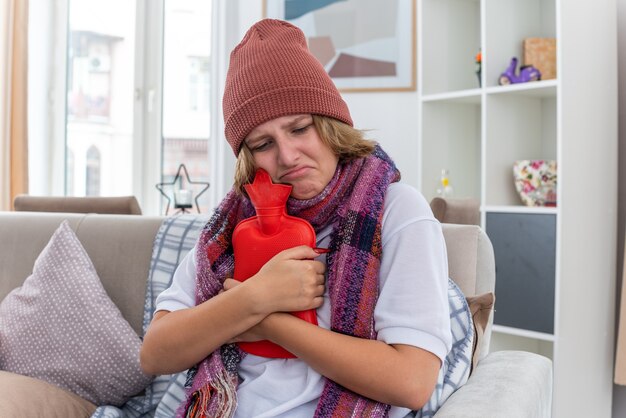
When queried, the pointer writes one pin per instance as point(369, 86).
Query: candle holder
point(183, 197)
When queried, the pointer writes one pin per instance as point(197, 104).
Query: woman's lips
point(294, 174)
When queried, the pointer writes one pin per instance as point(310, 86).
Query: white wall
point(392, 119)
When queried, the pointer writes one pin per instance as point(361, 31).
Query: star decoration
point(182, 208)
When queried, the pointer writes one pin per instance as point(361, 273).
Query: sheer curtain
point(13, 94)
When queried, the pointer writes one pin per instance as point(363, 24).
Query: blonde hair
point(345, 141)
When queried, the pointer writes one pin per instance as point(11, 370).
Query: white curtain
point(13, 104)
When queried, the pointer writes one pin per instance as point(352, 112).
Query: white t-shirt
point(412, 308)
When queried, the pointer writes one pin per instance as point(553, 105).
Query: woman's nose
point(287, 153)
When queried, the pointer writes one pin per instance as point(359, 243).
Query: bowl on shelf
point(535, 181)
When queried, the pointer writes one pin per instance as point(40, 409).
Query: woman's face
point(291, 151)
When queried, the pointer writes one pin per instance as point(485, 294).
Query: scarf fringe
point(215, 400)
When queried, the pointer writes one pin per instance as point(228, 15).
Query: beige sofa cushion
point(17, 400)
point(93, 204)
point(60, 326)
point(464, 211)
point(471, 264)
point(120, 247)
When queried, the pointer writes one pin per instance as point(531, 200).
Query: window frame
point(147, 107)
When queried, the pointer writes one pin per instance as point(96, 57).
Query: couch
point(503, 384)
point(117, 205)
point(464, 211)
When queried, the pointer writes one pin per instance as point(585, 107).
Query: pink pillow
point(60, 326)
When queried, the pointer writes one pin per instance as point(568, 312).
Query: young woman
point(380, 294)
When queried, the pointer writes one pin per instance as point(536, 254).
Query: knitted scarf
point(353, 203)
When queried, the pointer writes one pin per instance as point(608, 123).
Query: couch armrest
point(505, 384)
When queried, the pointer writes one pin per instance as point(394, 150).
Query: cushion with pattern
point(60, 326)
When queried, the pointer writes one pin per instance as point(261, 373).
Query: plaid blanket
point(176, 237)
point(455, 369)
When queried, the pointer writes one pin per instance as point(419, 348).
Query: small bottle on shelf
point(445, 188)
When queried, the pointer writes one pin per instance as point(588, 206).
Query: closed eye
point(260, 145)
point(301, 130)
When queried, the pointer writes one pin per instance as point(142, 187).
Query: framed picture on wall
point(365, 45)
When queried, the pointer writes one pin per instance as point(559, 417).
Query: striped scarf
point(353, 203)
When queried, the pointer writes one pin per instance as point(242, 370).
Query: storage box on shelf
point(477, 130)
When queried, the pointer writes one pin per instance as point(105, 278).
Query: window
point(122, 97)
point(69, 179)
point(92, 172)
point(186, 111)
point(100, 96)
point(89, 75)
point(199, 82)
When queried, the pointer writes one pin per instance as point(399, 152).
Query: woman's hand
point(290, 281)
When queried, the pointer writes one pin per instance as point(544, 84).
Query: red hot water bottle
point(256, 240)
